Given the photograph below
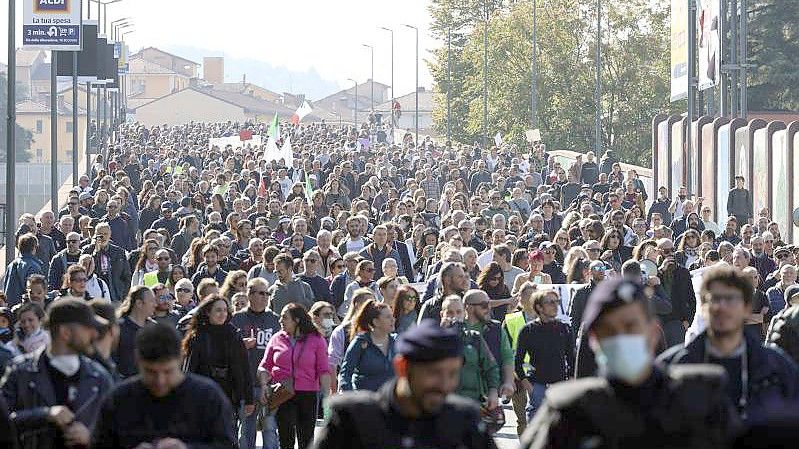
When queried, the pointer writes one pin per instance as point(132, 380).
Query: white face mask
point(67, 364)
point(328, 323)
point(624, 357)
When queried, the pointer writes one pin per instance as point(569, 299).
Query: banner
point(708, 33)
point(51, 24)
point(679, 49)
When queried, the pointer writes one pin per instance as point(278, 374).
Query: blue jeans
point(247, 431)
point(535, 399)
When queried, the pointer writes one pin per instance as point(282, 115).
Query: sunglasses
point(163, 258)
point(183, 290)
point(79, 280)
point(73, 241)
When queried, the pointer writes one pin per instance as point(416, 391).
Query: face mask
point(66, 364)
point(327, 323)
point(624, 357)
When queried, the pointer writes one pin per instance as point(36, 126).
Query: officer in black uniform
point(415, 410)
point(634, 404)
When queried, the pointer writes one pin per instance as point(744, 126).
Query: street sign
point(52, 24)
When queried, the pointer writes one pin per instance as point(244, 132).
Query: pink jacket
point(309, 357)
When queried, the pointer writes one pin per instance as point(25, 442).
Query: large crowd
point(192, 293)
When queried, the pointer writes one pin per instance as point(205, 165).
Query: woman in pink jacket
point(297, 356)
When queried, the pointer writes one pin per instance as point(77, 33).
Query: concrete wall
point(186, 106)
point(32, 188)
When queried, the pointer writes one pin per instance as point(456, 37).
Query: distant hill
point(277, 79)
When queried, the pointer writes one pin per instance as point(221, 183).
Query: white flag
point(286, 152)
point(302, 111)
point(272, 152)
point(498, 140)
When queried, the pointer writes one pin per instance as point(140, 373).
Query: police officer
point(415, 410)
point(634, 403)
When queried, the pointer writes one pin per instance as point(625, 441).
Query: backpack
point(784, 332)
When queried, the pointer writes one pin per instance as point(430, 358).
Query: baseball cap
point(73, 311)
point(610, 295)
point(790, 292)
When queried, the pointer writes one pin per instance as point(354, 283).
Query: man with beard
point(54, 393)
point(760, 260)
point(761, 380)
point(418, 408)
point(478, 318)
point(110, 263)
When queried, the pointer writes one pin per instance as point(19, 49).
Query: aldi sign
point(52, 24)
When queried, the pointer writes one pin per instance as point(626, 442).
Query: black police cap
point(429, 342)
point(609, 295)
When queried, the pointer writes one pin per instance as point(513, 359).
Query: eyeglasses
point(369, 270)
point(550, 302)
point(73, 241)
point(719, 299)
point(183, 290)
point(598, 269)
point(73, 204)
point(163, 258)
point(78, 280)
point(782, 256)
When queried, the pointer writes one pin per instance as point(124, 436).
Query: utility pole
point(416, 115)
point(449, 84)
point(393, 95)
point(372, 81)
point(742, 60)
point(534, 71)
point(11, 138)
point(75, 126)
point(53, 133)
point(355, 109)
point(598, 91)
point(485, 77)
point(692, 85)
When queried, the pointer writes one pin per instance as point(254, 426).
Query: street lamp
point(120, 26)
point(356, 101)
point(534, 70)
point(416, 119)
point(104, 5)
point(393, 96)
point(372, 81)
point(115, 23)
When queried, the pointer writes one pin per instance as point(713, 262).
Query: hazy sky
point(298, 34)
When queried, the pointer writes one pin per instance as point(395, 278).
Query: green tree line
point(634, 69)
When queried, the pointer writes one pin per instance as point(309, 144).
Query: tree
point(634, 72)
point(773, 43)
point(23, 136)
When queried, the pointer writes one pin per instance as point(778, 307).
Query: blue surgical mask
point(624, 357)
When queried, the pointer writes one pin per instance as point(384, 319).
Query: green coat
point(480, 371)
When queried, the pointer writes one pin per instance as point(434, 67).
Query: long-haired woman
point(367, 362)
point(406, 308)
point(492, 281)
point(296, 358)
point(235, 282)
point(213, 348)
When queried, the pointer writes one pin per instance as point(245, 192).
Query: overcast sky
point(298, 34)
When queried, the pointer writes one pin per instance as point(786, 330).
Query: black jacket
point(683, 299)
point(28, 389)
point(577, 305)
point(773, 377)
point(118, 279)
point(218, 352)
point(371, 420)
point(783, 331)
point(195, 412)
point(678, 408)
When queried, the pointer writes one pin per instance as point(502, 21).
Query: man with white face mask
point(634, 403)
point(54, 393)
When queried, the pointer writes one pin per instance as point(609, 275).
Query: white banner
point(51, 24)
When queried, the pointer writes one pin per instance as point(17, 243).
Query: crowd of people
point(192, 294)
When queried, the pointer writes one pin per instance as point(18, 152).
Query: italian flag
point(302, 111)
point(273, 130)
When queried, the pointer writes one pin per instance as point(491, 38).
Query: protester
point(418, 408)
point(54, 392)
point(367, 362)
point(635, 403)
point(302, 376)
point(164, 407)
point(134, 313)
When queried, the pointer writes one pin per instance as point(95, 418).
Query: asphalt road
point(506, 438)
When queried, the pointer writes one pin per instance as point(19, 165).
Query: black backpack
point(784, 331)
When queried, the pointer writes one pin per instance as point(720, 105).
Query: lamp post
point(416, 90)
point(393, 96)
point(356, 101)
point(11, 128)
point(116, 23)
point(534, 72)
point(372, 80)
point(449, 84)
point(598, 98)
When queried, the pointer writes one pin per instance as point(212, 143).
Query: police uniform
point(676, 407)
point(373, 420)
